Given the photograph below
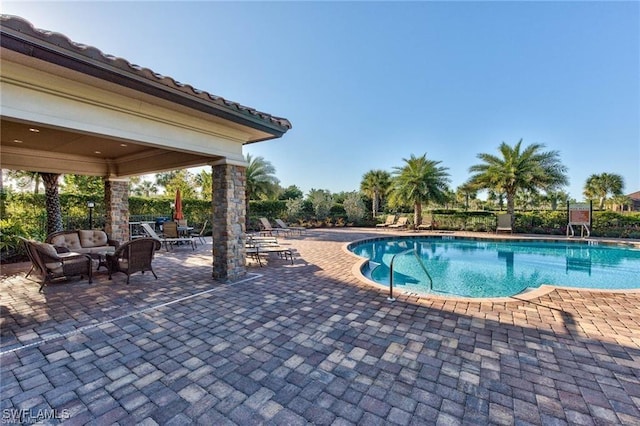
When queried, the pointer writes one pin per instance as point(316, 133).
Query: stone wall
point(228, 221)
point(116, 201)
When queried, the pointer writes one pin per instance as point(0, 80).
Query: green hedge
point(25, 215)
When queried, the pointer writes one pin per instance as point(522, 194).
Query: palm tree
point(52, 197)
point(528, 169)
point(618, 202)
point(204, 180)
point(375, 184)
point(260, 180)
point(555, 198)
point(466, 192)
point(145, 188)
point(419, 181)
point(602, 185)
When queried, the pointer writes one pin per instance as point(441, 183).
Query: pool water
point(481, 268)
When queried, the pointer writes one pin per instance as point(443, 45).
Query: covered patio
point(70, 108)
point(310, 344)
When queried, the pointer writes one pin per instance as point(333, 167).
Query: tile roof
point(20, 27)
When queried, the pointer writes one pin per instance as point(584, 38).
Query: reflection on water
point(485, 269)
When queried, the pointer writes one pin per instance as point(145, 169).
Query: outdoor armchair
point(52, 265)
point(133, 256)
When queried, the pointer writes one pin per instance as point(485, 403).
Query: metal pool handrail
point(424, 268)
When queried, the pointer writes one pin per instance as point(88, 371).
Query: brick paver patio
point(309, 343)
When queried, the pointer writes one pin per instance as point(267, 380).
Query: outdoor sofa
point(82, 241)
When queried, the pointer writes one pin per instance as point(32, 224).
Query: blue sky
point(366, 84)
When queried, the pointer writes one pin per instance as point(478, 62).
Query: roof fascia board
point(33, 47)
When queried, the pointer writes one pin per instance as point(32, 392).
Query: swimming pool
point(487, 268)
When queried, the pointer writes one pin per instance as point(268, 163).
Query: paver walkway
point(310, 344)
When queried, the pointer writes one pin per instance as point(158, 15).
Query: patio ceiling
point(69, 108)
point(35, 147)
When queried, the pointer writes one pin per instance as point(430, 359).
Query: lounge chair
point(401, 223)
point(200, 235)
point(504, 223)
point(389, 221)
point(53, 265)
point(257, 245)
point(167, 241)
point(298, 229)
point(133, 256)
point(427, 222)
point(268, 229)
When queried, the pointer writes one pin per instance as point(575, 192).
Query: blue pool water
point(483, 268)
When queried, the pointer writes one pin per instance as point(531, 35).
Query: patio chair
point(298, 229)
point(268, 229)
point(427, 222)
point(164, 240)
point(170, 230)
point(257, 245)
point(200, 235)
point(389, 221)
point(401, 223)
point(133, 256)
point(54, 266)
point(504, 223)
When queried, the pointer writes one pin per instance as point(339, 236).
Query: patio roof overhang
point(69, 108)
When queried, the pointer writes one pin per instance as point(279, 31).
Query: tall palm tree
point(260, 180)
point(52, 199)
point(618, 202)
point(145, 188)
point(466, 192)
point(528, 168)
point(555, 198)
point(375, 184)
point(419, 181)
point(602, 185)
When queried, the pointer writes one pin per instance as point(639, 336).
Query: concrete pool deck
point(310, 343)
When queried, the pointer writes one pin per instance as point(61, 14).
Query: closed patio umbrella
point(178, 214)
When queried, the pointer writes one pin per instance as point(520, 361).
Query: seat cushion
point(69, 240)
point(92, 238)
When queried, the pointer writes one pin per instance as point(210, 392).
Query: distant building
point(635, 201)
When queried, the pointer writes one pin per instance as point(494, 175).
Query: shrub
point(354, 207)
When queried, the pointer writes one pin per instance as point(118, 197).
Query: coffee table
point(101, 256)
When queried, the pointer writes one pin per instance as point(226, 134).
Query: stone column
point(228, 221)
point(116, 202)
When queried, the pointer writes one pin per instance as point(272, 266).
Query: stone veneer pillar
point(228, 221)
point(116, 202)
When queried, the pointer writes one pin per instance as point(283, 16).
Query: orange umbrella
point(178, 214)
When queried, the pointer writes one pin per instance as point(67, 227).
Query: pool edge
point(525, 295)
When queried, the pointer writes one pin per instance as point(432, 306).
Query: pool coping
point(527, 294)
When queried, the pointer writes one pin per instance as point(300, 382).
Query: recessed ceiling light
point(34, 130)
point(123, 144)
point(97, 152)
point(17, 141)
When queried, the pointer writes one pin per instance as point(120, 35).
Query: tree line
point(525, 177)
